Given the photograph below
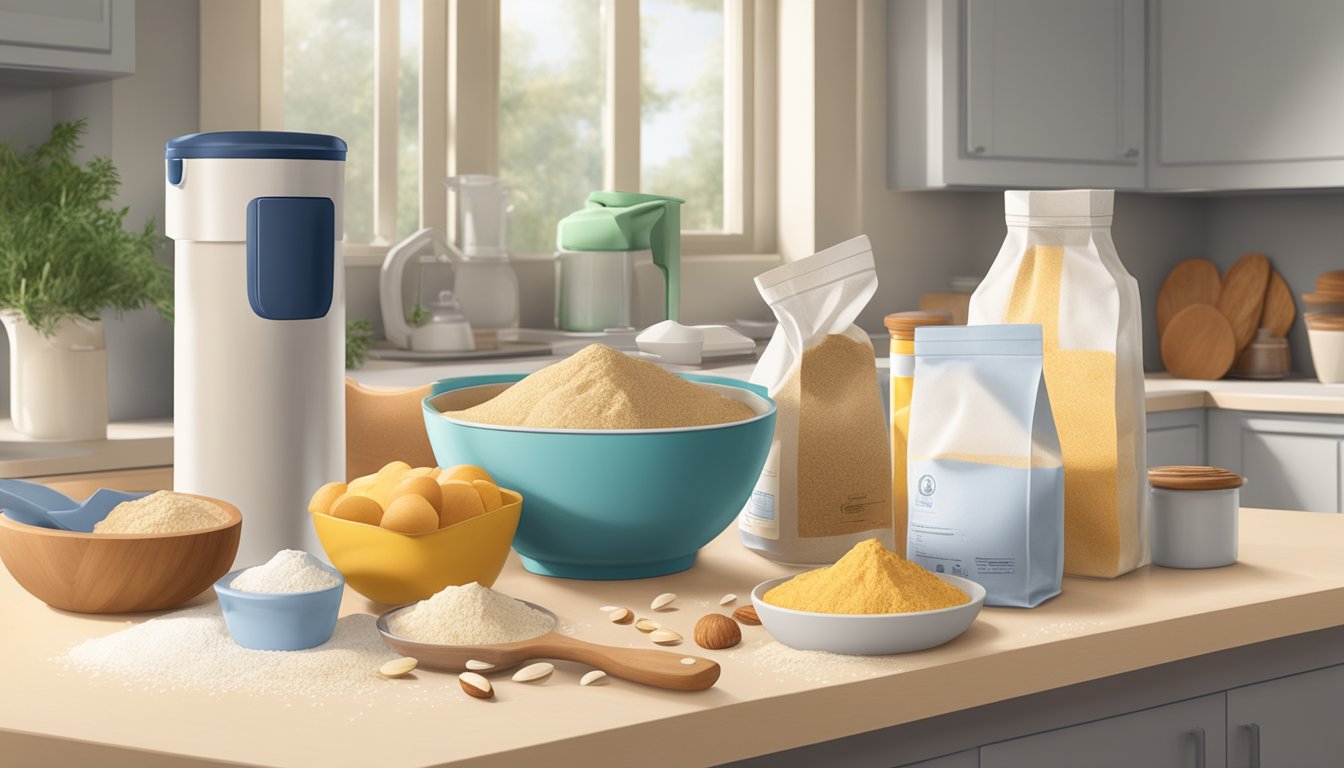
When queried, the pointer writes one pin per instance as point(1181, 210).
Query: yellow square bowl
point(395, 568)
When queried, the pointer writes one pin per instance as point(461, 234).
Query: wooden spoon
point(1193, 281)
point(1199, 344)
point(660, 669)
point(1243, 297)
point(1280, 311)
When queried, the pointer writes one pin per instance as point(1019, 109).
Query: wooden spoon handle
point(660, 669)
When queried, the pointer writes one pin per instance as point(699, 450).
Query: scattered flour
point(191, 650)
point(289, 571)
point(785, 664)
point(470, 615)
point(161, 512)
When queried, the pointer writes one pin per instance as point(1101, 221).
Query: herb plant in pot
point(64, 259)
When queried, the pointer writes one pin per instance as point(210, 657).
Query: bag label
point(760, 517)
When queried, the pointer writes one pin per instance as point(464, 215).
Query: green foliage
point(419, 315)
point(358, 339)
point(63, 251)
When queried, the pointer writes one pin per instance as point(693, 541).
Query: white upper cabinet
point(1247, 94)
point(61, 43)
point(1032, 93)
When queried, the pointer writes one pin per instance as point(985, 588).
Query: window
point(559, 97)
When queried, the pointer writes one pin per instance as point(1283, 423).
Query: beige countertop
point(129, 445)
point(1290, 580)
point(1306, 396)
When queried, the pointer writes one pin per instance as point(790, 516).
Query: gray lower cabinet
point(1289, 461)
point(1187, 734)
point(1292, 722)
point(968, 759)
point(1176, 438)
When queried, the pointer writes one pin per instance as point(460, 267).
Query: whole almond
point(479, 666)
point(398, 667)
point(747, 615)
point(476, 685)
point(621, 616)
point(596, 676)
point(534, 672)
point(647, 625)
point(662, 601)
point(716, 632)
point(664, 637)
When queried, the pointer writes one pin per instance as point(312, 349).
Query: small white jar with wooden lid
point(1194, 516)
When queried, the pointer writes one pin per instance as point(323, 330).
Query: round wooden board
point(1243, 297)
point(1193, 281)
point(1199, 344)
point(1279, 312)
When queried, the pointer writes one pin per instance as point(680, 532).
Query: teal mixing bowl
point(610, 504)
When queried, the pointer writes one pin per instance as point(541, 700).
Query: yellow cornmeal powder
point(868, 579)
point(601, 388)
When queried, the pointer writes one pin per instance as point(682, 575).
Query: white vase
point(57, 383)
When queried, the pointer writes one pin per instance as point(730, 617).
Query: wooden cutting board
point(1279, 311)
point(1243, 297)
point(1199, 344)
point(1193, 281)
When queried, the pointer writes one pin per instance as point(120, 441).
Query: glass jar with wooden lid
point(1194, 516)
point(901, 326)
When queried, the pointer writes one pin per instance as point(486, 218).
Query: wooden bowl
point(118, 573)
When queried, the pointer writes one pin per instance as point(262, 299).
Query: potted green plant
point(64, 259)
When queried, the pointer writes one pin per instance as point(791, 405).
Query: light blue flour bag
point(985, 473)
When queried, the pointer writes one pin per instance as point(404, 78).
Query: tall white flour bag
point(1058, 268)
point(826, 485)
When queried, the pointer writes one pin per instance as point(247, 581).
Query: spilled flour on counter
point(191, 650)
point(771, 658)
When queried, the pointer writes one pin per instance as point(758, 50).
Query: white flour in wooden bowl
point(470, 615)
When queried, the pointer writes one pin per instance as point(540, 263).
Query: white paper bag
point(986, 498)
point(1058, 268)
point(827, 483)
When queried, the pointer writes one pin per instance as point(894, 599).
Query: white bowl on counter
point(868, 634)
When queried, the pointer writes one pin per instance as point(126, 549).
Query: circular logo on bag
point(927, 486)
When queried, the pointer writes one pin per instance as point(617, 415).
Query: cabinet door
point(968, 759)
point(1187, 734)
point(1292, 721)
point(1245, 94)
point(45, 43)
point(1289, 462)
point(1176, 438)
point(75, 24)
point(1054, 93)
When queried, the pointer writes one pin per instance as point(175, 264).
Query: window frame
point(459, 111)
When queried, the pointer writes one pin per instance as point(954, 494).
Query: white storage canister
point(1194, 516)
point(259, 343)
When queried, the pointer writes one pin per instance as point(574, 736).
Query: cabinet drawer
point(1187, 734)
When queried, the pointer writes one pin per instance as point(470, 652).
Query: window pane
point(551, 88)
point(408, 122)
point(328, 55)
point(681, 105)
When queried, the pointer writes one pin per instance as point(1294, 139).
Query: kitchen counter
point(129, 445)
point(1290, 580)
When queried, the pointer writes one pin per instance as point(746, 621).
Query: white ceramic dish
point(872, 634)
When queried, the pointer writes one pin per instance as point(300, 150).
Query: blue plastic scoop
point(36, 504)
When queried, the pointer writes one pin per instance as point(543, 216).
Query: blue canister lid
point(271, 145)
